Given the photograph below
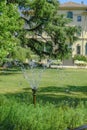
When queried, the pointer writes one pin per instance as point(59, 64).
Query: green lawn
point(61, 100)
point(56, 85)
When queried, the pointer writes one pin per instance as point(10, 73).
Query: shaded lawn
point(56, 86)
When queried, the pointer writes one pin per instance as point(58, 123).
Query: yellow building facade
point(78, 13)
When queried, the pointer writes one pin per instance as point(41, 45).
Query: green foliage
point(71, 34)
point(62, 36)
point(46, 19)
point(20, 2)
point(21, 53)
point(17, 116)
point(80, 58)
point(9, 25)
point(56, 62)
point(44, 8)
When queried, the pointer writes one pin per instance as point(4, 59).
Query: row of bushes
point(80, 63)
point(80, 60)
point(21, 116)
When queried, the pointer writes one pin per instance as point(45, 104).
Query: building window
point(79, 18)
point(70, 15)
point(86, 49)
point(78, 49)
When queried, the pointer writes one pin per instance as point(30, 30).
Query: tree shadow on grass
point(77, 88)
point(53, 89)
point(52, 94)
point(67, 89)
point(57, 100)
point(20, 97)
point(9, 71)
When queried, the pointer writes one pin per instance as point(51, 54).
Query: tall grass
point(22, 116)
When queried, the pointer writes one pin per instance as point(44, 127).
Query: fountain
point(33, 76)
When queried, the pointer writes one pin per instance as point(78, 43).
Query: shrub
point(56, 62)
point(21, 116)
point(80, 58)
point(80, 63)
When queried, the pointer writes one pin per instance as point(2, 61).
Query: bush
point(56, 62)
point(80, 63)
point(80, 58)
point(21, 116)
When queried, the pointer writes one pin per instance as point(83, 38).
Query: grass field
point(56, 85)
point(61, 100)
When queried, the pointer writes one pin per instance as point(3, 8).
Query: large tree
point(10, 24)
point(41, 16)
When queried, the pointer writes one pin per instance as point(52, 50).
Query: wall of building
point(83, 23)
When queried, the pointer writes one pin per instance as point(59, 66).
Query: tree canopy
point(51, 36)
point(45, 31)
point(10, 23)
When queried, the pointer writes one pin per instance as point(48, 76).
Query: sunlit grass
point(55, 83)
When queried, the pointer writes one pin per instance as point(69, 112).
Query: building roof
point(74, 5)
